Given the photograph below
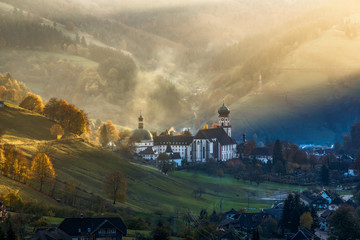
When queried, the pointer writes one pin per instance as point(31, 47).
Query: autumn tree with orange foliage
point(42, 169)
point(57, 131)
point(33, 103)
point(70, 117)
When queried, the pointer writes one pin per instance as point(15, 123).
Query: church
point(214, 143)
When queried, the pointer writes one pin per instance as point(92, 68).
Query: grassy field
point(77, 161)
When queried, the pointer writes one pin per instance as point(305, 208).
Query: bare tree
point(115, 186)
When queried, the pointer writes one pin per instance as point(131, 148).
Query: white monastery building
point(214, 143)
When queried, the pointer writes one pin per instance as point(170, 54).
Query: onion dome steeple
point(223, 111)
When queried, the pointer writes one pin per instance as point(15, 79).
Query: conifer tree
point(324, 175)
point(279, 163)
point(315, 218)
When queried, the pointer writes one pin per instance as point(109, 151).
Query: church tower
point(141, 123)
point(224, 119)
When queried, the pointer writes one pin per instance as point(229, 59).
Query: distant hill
point(189, 57)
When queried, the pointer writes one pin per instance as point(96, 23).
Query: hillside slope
point(77, 161)
point(312, 96)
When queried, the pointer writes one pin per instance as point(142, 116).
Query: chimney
point(244, 138)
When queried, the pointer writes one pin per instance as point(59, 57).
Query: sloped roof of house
point(173, 140)
point(215, 133)
point(225, 223)
point(337, 200)
point(168, 149)
point(71, 226)
point(276, 213)
point(232, 211)
point(251, 220)
point(326, 214)
point(50, 234)
point(175, 156)
point(305, 198)
point(147, 151)
point(304, 234)
point(261, 151)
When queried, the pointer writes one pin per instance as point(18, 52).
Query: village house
point(302, 234)
point(245, 222)
point(263, 154)
point(94, 228)
point(323, 219)
point(50, 234)
point(148, 154)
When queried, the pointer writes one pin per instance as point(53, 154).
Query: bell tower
point(141, 123)
point(224, 119)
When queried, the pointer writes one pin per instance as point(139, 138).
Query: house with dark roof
point(231, 214)
point(148, 154)
point(323, 219)
point(302, 234)
point(275, 213)
point(94, 228)
point(245, 222)
point(50, 234)
point(263, 154)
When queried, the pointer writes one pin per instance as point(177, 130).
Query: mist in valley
point(177, 61)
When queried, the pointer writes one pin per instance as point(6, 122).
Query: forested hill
point(115, 61)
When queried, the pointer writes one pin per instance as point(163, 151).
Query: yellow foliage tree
point(306, 220)
point(42, 169)
point(57, 131)
point(21, 166)
point(108, 133)
point(206, 127)
point(2, 161)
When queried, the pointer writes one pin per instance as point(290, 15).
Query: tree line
point(14, 164)
point(19, 31)
point(12, 90)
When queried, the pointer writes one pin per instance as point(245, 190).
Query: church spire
point(141, 123)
